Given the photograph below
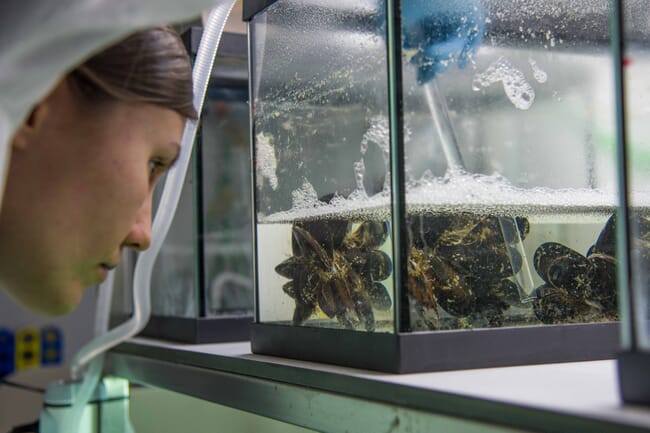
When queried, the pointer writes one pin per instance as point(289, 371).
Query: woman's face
point(79, 190)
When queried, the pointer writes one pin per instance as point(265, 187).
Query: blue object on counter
point(437, 34)
point(51, 346)
point(7, 352)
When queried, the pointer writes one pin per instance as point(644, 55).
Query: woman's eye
point(155, 168)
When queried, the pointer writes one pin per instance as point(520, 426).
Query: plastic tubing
point(95, 349)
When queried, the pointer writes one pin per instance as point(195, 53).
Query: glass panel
point(509, 132)
point(636, 69)
point(320, 110)
point(174, 283)
point(227, 203)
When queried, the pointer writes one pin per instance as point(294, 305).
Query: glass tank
point(435, 182)
point(202, 284)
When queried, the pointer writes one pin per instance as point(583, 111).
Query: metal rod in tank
point(444, 128)
point(455, 165)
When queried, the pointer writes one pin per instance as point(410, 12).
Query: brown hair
point(149, 66)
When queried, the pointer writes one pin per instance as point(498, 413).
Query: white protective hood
point(41, 40)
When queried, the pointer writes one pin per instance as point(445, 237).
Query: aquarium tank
point(435, 182)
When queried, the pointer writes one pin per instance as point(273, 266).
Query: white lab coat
point(41, 40)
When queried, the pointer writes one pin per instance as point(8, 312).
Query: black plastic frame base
point(439, 350)
point(198, 331)
point(634, 377)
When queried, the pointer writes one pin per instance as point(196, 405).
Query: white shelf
point(568, 397)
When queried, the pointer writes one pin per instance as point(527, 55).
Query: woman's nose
point(139, 236)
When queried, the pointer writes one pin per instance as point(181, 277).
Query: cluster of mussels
point(463, 264)
point(338, 268)
point(577, 287)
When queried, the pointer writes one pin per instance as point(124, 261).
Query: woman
point(83, 167)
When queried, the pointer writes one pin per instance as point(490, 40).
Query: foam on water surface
point(474, 193)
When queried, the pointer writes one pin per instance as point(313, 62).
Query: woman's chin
point(57, 309)
point(54, 301)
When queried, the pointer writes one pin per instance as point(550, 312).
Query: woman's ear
point(27, 131)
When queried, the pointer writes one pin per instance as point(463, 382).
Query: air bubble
point(304, 197)
point(267, 164)
point(517, 89)
point(539, 74)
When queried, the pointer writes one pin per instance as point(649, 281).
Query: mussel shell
point(457, 299)
point(347, 319)
point(440, 271)
point(302, 312)
point(424, 231)
point(327, 299)
point(358, 259)
point(552, 305)
point(603, 281)
point(328, 233)
point(379, 265)
point(420, 279)
point(488, 231)
point(308, 285)
point(509, 291)
point(379, 297)
point(373, 265)
point(420, 288)
point(423, 318)
point(573, 274)
point(483, 262)
point(495, 315)
point(289, 289)
point(555, 305)
point(363, 308)
point(499, 230)
point(369, 234)
point(490, 302)
point(562, 267)
point(546, 253)
point(504, 290)
point(289, 267)
point(489, 312)
point(606, 242)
